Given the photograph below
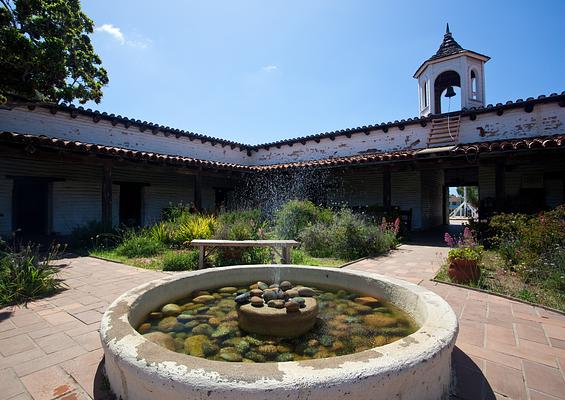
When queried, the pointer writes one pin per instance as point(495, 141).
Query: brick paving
point(505, 349)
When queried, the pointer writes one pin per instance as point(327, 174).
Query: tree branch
point(11, 12)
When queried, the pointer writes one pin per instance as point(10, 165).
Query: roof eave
point(468, 53)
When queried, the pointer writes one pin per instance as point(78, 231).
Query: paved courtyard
point(505, 349)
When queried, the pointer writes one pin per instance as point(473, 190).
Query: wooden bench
point(284, 245)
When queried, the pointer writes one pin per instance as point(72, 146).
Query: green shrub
point(90, 235)
point(466, 253)
point(138, 245)
point(193, 226)
point(25, 274)
point(241, 225)
point(295, 215)
point(348, 236)
point(180, 261)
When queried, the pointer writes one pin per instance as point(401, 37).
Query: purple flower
point(448, 239)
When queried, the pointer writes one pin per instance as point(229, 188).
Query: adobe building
point(63, 166)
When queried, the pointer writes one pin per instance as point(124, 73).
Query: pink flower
point(448, 239)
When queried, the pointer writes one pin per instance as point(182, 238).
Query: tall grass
point(25, 274)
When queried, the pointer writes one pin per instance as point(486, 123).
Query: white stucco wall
point(82, 128)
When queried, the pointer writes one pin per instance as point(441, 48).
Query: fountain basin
point(415, 367)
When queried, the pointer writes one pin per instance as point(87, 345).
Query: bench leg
point(285, 259)
point(201, 257)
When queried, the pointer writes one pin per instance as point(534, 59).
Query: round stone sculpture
point(278, 322)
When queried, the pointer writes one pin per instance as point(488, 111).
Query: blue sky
point(259, 71)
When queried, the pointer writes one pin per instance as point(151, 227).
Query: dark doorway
point(131, 195)
point(30, 207)
point(222, 198)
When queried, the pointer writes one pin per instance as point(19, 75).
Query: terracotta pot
point(463, 271)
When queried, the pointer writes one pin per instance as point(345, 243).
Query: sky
point(256, 71)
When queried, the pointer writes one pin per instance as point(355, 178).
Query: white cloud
point(116, 33)
point(269, 68)
point(113, 31)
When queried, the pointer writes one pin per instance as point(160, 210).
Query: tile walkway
point(505, 349)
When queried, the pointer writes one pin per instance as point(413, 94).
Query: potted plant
point(464, 258)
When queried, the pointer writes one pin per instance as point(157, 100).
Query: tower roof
point(448, 47)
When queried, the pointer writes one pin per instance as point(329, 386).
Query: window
point(474, 86)
point(425, 94)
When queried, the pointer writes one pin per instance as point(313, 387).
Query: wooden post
point(387, 189)
point(500, 185)
point(286, 251)
point(200, 257)
point(198, 191)
point(107, 195)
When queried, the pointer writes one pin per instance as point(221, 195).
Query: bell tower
point(451, 67)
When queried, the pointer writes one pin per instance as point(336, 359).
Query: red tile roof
point(543, 142)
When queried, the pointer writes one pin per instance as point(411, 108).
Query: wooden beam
point(107, 194)
point(198, 192)
point(387, 188)
point(500, 184)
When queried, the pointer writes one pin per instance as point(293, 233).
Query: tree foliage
point(472, 194)
point(46, 52)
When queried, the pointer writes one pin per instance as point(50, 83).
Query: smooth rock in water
point(327, 296)
point(310, 351)
point(276, 303)
point(292, 293)
point(285, 285)
point(338, 345)
point(243, 298)
point(214, 321)
point(274, 286)
point(300, 300)
point(361, 309)
point(242, 346)
point(283, 348)
point(183, 318)
point(224, 330)
point(231, 316)
point(306, 292)
point(192, 306)
point(192, 324)
point(205, 298)
point(193, 345)
point(285, 357)
point(209, 348)
point(168, 324)
point(291, 306)
point(241, 291)
point(379, 340)
point(197, 293)
point(379, 321)
point(203, 329)
point(253, 341)
point(257, 301)
point(326, 340)
point(156, 315)
point(254, 356)
point(268, 350)
point(368, 301)
point(313, 343)
point(144, 328)
point(162, 339)
point(171, 310)
point(280, 294)
point(256, 293)
point(230, 354)
point(269, 295)
point(227, 289)
point(262, 285)
point(254, 286)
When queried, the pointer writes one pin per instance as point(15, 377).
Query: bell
point(450, 92)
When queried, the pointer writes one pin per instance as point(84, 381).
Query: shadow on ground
point(470, 382)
